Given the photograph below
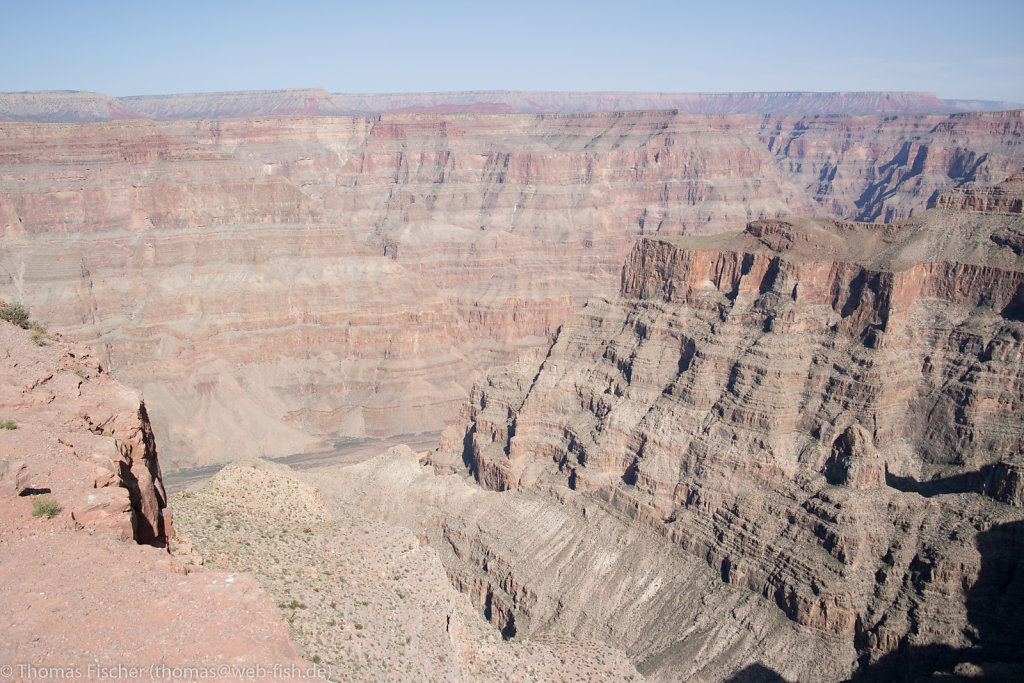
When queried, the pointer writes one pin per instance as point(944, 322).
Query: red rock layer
point(99, 456)
point(271, 282)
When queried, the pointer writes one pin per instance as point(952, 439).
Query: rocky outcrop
point(552, 564)
point(100, 458)
point(855, 462)
point(272, 282)
point(79, 481)
point(825, 413)
point(1003, 198)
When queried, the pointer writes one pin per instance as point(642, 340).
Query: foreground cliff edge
point(792, 452)
point(88, 587)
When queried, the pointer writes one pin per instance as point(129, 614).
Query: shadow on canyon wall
point(757, 673)
point(996, 481)
point(995, 610)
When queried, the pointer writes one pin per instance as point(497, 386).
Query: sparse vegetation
point(9, 424)
point(45, 506)
point(16, 314)
point(358, 592)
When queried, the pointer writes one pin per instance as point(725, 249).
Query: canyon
point(724, 397)
point(275, 282)
point(790, 452)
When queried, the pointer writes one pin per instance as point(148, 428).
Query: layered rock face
point(268, 283)
point(549, 563)
point(840, 161)
point(827, 414)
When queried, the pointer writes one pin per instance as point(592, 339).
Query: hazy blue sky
point(957, 49)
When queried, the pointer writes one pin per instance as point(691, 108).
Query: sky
point(969, 50)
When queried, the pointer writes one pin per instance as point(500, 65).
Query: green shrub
point(9, 424)
point(44, 506)
point(15, 313)
point(39, 333)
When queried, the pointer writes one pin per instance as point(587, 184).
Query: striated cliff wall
point(271, 282)
point(827, 414)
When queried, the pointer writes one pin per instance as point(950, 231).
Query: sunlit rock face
point(272, 282)
point(826, 413)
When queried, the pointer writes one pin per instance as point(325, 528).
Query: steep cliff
point(79, 482)
point(79, 434)
point(824, 413)
point(270, 282)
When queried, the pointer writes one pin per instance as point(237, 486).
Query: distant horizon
point(510, 91)
point(128, 49)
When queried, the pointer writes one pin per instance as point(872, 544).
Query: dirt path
point(345, 453)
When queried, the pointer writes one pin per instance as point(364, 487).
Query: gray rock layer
point(825, 414)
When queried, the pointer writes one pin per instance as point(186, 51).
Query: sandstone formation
point(271, 282)
point(822, 413)
point(69, 106)
point(83, 600)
